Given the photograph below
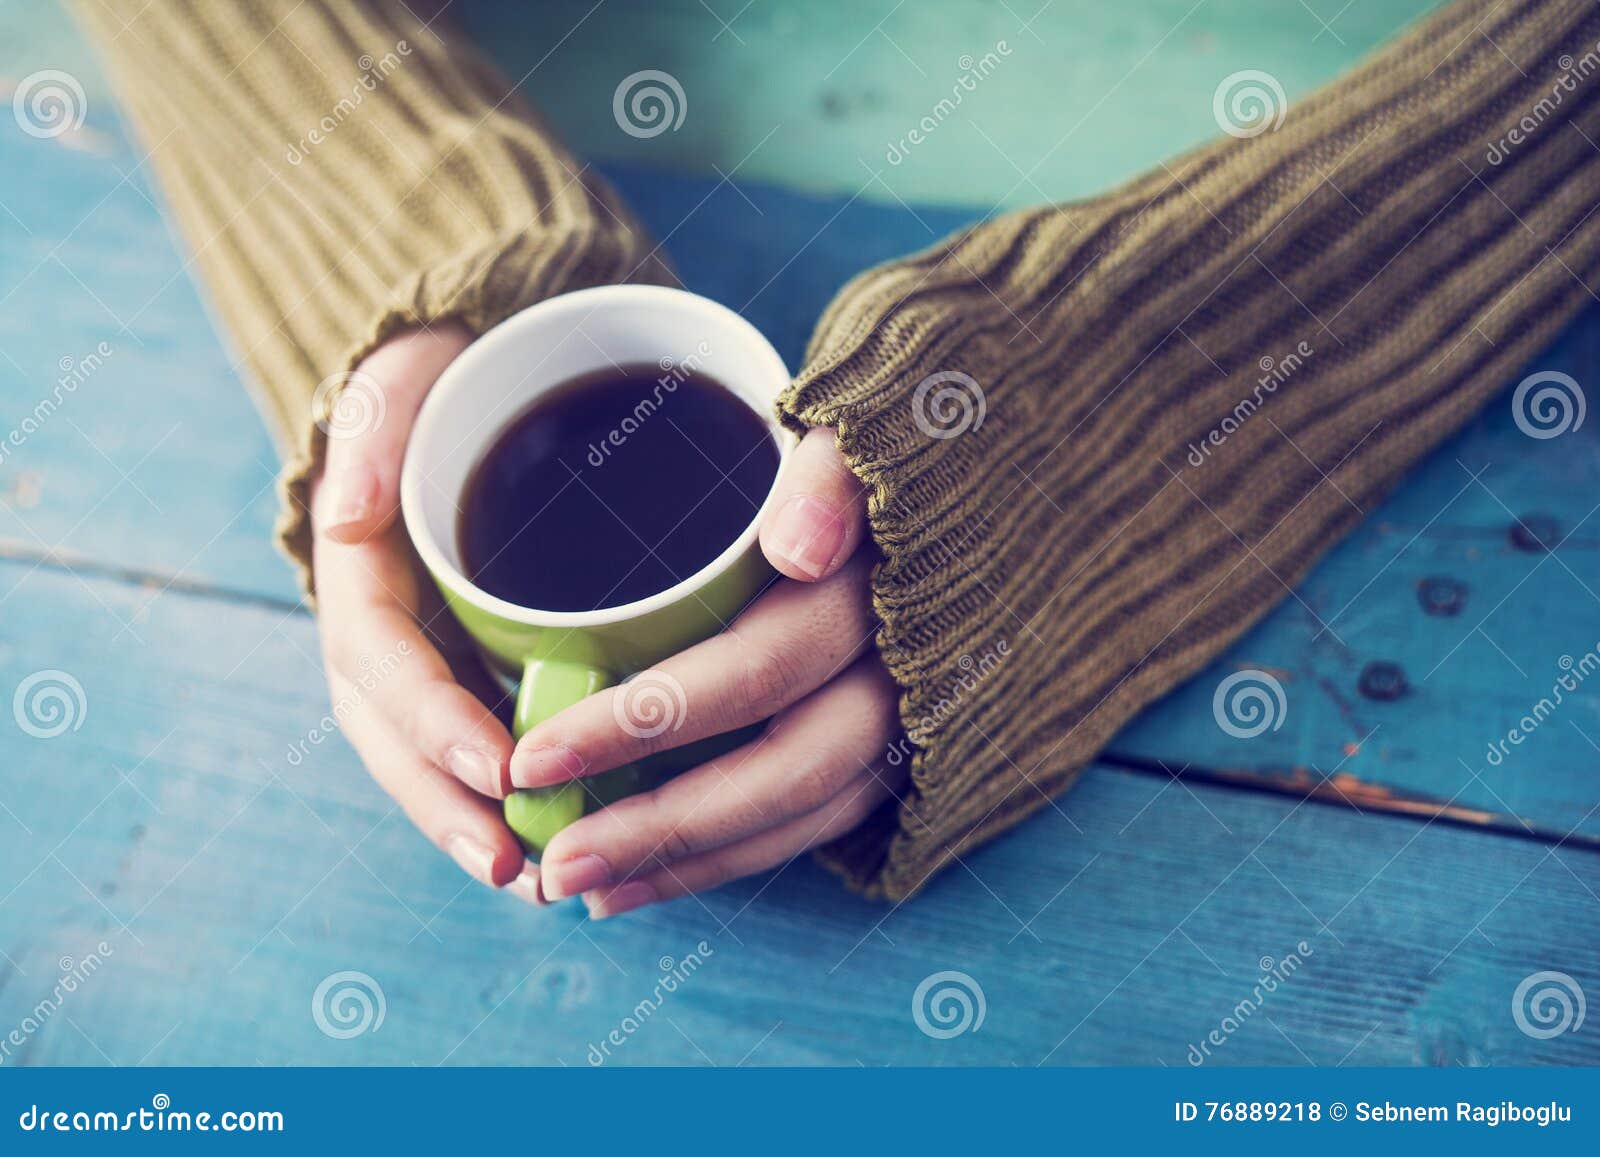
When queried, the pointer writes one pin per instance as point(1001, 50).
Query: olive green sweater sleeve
point(1103, 439)
point(341, 170)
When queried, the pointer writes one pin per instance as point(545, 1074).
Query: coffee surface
point(612, 488)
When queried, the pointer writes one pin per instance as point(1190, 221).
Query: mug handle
point(549, 686)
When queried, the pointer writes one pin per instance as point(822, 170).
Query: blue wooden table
point(167, 835)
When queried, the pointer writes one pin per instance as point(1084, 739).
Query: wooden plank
point(1123, 927)
point(1445, 583)
point(1089, 94)
point(126, 434)
point(813, 97)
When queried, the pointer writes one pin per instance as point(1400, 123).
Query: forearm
point(342, 171)
point(1386, 260)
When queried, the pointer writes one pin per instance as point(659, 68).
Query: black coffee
point(612, 488)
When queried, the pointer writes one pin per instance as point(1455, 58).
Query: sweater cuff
point(479, 290)
point(343, 170)
point(1101, 440)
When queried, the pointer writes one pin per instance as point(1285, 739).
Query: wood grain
point(1121, 928)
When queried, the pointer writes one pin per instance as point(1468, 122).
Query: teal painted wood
point(1059, 100)
point(1445, 582)
point(229, 881)
point(137, 444)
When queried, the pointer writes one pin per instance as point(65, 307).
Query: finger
point(371, 640)
point(368, 417)
point(462, 824)
point(786, 645)
point(810, 752)
point(819, 512)
point(769, 849)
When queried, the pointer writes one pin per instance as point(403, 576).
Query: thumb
point(819, 514)
point(367, 415)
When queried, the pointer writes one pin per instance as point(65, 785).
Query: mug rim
point(488, 346)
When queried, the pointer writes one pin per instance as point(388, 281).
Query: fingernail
point(635, 894)
point(807, 534)
point(476, 769)
point(573, 877)
point(475, 858)
point(544, 766)
point(355, 493)
point(526, 885)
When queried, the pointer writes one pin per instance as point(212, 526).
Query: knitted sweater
point(1101, 439)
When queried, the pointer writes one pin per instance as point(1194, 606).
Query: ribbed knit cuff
point(343, 170)
point(1101, 440)
point(480, 290)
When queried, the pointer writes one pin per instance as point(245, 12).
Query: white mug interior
point(546, 345)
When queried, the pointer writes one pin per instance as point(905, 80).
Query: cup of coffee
point(585, 483)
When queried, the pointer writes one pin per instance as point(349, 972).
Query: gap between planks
point(1300, 783)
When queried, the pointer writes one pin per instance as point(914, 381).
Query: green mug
point(556, 658)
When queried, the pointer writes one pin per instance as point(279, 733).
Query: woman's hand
point(801, 654)
point(427, 740)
